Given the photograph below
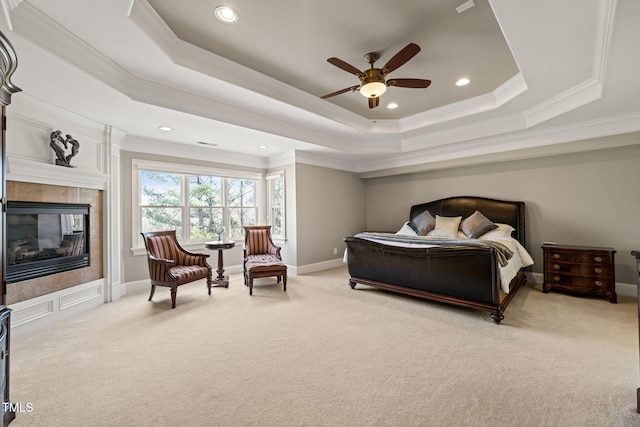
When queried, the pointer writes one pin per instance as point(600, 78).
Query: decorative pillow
point(406, 230)
point(476, 225)
point(423, 223)
point(503, 231)
point(447, 226)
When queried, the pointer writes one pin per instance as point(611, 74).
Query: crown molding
point(465, 153)
point(7, 7)
point(191, 152)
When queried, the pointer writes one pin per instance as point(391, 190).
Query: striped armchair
point(261, 256)
point(171, 265)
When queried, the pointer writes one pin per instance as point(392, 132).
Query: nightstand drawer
point(576, 283)
point(595, 258)
point(580, 269)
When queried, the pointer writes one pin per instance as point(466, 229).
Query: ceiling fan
point(372, 81)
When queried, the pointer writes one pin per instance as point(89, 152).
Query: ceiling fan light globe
point(373, 89)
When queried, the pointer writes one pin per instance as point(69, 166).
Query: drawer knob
point(598, 259)
point(598, 283)
point(556, 256)
point(597, 270)
point(556, 278)
point(556, 266)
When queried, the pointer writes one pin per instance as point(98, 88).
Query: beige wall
point(581, 199)
point(330, 205)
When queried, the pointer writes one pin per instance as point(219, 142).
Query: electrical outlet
point(335, 251)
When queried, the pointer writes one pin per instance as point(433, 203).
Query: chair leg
point(250, 285)
point(209, 283)
point(284, 281)
point(174, 291)
point(153, 291)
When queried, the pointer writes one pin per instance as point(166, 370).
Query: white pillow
point(503, 231)
point(447, 226)
point(406, 230)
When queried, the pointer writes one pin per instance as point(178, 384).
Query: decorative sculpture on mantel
point(61, 146)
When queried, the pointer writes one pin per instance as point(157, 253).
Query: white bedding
point(521, 258)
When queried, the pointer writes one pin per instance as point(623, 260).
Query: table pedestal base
point(220, 282)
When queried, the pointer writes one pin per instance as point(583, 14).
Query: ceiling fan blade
point(408, 52)
point(343, 65)
point(349, 89)
point(374, 101)
point(415, 83)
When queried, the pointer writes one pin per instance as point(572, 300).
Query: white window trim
point(278, 238)
point(138, 164)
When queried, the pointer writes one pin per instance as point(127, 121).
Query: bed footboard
point(461, 276)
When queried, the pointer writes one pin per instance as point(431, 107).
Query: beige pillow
point(476, 224)
point(447, 226)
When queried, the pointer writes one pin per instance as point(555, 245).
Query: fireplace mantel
point(42, 173)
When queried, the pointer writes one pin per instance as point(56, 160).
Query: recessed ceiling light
point(392, 105)
point(226, 14)
point(165, 128)
point(262, 147)
point(463, 82)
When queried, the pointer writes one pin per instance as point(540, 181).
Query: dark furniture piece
point(171, 265)
point(8, 64)
point(584, 270)
point(221, 280)
point(262, 256)
point(463, 276)
point(637, 255)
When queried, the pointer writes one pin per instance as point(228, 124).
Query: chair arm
point(154, 260)
point(159, 268)
point(192, 258)
point(274, 250)
point(186, 252)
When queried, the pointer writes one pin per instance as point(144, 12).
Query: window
point(200, 204)
point(275, 196)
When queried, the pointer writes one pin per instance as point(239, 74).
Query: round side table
point(220, 245)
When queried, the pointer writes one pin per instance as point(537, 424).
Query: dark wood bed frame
point(462, 276)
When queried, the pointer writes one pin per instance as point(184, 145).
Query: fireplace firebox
point(45, 238)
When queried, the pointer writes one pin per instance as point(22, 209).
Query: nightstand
point(585, 270)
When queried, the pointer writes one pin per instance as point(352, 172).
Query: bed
point(466, 251)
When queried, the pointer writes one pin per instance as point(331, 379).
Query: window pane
point(205, 223)
point(205, 191)
point(276, 227)
point(240, 217)
point(160, 188)
point(161, 219)
point(241, 192)
point(278, 192)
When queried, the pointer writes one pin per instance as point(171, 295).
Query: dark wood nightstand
point(585, 270)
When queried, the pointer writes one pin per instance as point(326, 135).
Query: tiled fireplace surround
point(34, 192)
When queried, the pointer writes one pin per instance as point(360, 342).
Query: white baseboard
point(623, 289)
point(37, 313)
point(312, 268)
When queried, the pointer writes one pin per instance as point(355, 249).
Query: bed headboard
point(502, 211)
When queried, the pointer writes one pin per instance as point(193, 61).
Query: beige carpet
point(325, 355)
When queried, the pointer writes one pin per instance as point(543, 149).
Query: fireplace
point(46, 238)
